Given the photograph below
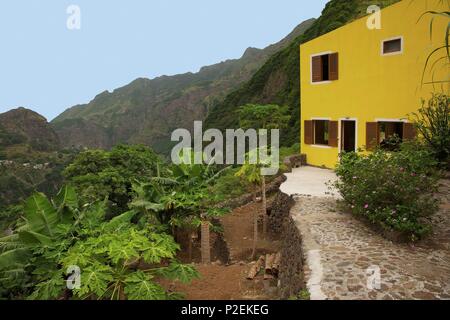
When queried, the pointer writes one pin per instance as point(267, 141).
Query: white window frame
point(311, 68)
point(402, 46)
point(391, 120)
point(320, 146)
point(378, 120)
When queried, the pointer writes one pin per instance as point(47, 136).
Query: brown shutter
point(334, 66)
point(333, 132)
point(409, 131)
point(317, 69)
point(309, 132)
point(371, 135)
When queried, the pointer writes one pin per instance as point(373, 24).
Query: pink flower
point(366, 206)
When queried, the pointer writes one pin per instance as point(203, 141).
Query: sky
point(47, 67)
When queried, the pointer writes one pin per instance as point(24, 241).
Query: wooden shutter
point(309, 132)
point(333, 132)
point(333, 66)
point(316, 69)
point(372, 135)
point(409, 131)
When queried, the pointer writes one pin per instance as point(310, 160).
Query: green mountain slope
point(30, 157)
point(147, 111)
point(23, 131)
point(278, 80)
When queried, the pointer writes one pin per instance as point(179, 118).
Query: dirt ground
point(228, 282)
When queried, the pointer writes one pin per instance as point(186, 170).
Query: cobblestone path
point(344, 255)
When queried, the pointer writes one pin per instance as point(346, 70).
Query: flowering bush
point(393, 190)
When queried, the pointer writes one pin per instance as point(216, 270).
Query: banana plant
point(41, 218)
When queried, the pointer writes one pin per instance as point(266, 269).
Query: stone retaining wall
point(272, 187)
point(291, 279)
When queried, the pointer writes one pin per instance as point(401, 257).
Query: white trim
point(391, 120)
point(321, 146)
point(402, 46)
point(321, 82)
point(311, 67)
point(321, 54)
point(340, 133)
point(319, 118)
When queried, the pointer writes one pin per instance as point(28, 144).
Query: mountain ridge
point(23, 130)
point(147, 110)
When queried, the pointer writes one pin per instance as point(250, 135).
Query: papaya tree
point(251, 173)
point(265, 117)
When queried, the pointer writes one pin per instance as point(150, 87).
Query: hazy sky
point(46, 67)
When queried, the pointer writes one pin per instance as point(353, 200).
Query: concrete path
point(308, 181)
point(345, 259)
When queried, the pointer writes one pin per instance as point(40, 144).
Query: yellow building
point(359, 83)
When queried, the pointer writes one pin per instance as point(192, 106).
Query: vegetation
point(99, 174)
point(180, 200)
point(263, 117)
point(122, 244)
point(302, 295)
point(19, 178)
point(118, 259)
point(251, 173)
point(394, 190)
point(444, 50)
point(433, 123)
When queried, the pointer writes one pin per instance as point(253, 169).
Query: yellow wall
point(372, 86)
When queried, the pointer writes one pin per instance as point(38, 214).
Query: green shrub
point(289, 151)
point(393, 190)
point(229, 186)
point(433, 123)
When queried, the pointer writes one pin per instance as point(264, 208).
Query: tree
point(97, 174)
point(252, 174)
point(263, 117)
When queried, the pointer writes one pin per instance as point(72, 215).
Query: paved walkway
point(308, 181)
point(343, 255)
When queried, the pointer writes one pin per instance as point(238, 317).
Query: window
point(387, 130)
point(325, 67)
point(392, 46)
point(388, 134)
point(321, 132)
